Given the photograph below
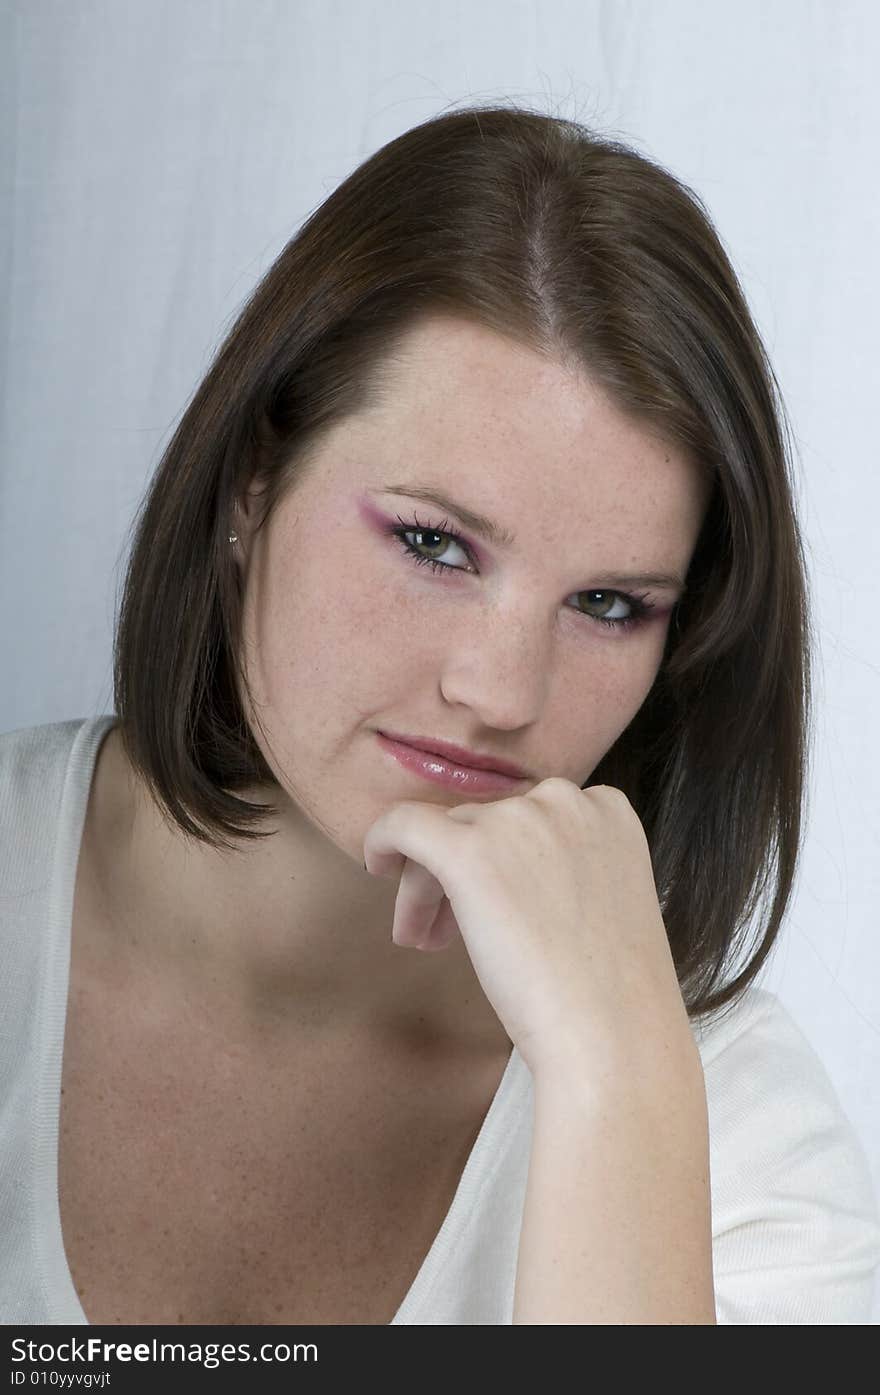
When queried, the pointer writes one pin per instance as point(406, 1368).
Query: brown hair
point(582, 249)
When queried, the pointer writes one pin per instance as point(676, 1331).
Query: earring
point(233, 537)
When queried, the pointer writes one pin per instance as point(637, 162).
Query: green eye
point(639, 606)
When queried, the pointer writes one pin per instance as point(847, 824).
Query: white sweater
point(796, 1236)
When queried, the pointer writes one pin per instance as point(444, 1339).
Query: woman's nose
point(503, 673)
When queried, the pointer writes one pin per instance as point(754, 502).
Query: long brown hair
point(582, 249)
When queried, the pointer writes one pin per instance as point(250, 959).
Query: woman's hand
point(553, 893)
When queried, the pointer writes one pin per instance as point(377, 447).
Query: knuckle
point(609, 794)
point(556, 785)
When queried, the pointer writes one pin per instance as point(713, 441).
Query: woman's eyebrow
point(502, 537)
point(477, 522)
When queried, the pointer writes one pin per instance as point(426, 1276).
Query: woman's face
point(346, 634)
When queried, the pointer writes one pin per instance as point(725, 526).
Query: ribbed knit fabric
point(796, 1234)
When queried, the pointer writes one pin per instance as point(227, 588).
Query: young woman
point(386, 957)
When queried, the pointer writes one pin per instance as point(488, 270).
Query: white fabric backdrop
point(157, 155)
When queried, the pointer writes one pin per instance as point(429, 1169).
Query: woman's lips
point(443, 771)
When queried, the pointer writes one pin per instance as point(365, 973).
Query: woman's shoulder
point(714, 1032)
point(33, 765)
point(795, 1220)
point(45, 773)
point(763, 1073)
point(34, 761)
point(45, 776)
point(30, 755)
point(755, 1048)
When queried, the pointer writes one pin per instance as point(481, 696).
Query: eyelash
point(639, 606)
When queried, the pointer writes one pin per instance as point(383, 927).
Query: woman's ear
point(247, 510)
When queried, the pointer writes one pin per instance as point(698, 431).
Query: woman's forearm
point(617, 1217)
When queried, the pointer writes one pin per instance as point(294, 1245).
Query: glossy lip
point(459, 755)
point(451, 774)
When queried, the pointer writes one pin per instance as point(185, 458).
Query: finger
point(384, 864)
point(444, 930)
point(431, 845)
point(425, 833)
point(420, 898)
